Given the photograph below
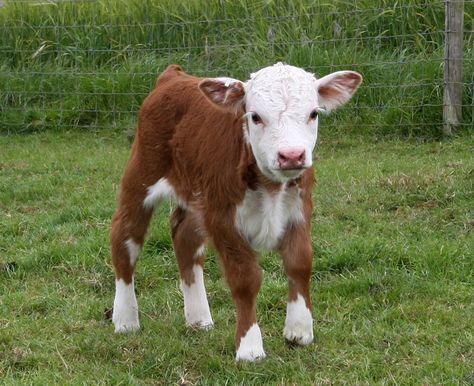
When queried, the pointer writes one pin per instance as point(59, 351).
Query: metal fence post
point(453, 62)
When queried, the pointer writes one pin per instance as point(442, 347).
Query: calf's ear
point(224, 92)
point(337, 88)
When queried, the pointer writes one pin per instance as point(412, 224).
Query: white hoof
point(298, 335)
point(196, 307)
point(125, 313)
point(251, 346)
point(125, 320)
point(299, 322)
point(198, 316)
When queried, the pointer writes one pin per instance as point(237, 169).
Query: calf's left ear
point(224, 92)
point(337, 88)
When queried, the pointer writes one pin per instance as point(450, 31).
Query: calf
point(237, 158)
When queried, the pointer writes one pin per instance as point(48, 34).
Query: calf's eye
point(313, 115)
point(256, 118)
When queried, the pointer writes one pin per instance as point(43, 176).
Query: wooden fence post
point(453, 46)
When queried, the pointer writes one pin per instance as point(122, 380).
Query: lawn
point(393, 272)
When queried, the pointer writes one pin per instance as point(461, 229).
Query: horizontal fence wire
point(88, 64)
point(216, 46)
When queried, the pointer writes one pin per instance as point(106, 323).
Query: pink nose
point(292, 158)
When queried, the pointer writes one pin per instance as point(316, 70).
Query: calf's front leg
point(297, 256)
point(244, 277)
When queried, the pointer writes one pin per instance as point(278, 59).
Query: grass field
point(393, 276)
point(393, 281)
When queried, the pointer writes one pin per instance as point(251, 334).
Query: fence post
point(453, 45)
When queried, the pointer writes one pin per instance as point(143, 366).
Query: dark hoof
point(108, 312)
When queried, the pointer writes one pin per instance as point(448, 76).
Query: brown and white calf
point(237, 157)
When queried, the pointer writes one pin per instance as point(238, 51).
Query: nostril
point(301, 157)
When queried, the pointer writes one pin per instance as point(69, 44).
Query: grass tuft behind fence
point(89, 64)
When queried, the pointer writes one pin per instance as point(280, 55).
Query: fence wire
point(89, 64)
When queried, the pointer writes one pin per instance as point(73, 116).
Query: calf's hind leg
point(129, 226)
point(189, 244)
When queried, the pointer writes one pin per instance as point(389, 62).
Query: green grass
point(88, 64)
point(393, 273)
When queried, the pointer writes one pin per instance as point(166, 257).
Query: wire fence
point(88, 64)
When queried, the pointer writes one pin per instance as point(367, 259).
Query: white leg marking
point(133, 251)
point(125, 315)
point(299, 322)
point(158, 192)
point(196, 307)
point(251, 345)
point(200, 251)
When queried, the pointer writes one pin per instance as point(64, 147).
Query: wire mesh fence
point(88, 64)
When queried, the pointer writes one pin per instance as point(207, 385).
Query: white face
point(282, 120)
point(282, 104)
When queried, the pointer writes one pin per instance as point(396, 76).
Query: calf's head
point(282, 104)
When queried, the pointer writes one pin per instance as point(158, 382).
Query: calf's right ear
point(224, 92)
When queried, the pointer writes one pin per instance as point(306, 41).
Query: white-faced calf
point(237, 157)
